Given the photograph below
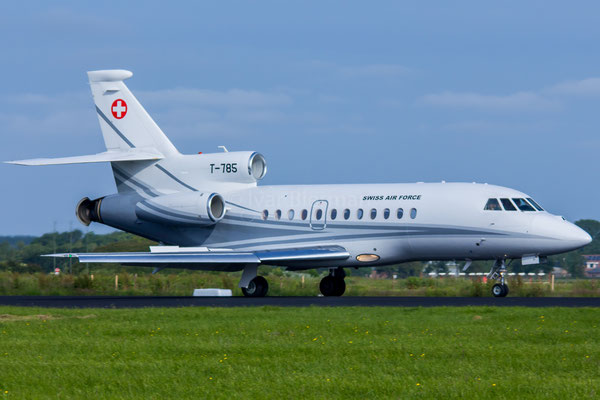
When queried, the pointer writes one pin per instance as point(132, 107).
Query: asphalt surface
point(150, 301)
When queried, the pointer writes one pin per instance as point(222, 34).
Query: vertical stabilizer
point(124, 122)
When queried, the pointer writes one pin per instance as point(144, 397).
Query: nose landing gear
point(497, 272)
point(333, 284)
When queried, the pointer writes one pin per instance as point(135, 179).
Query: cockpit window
point(536, 205)
point(523, 205)
point(492, 204)
point(508, 205)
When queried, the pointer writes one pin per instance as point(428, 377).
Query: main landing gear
point(333, 284)
point(253, 285)
point(257, 287)
point(497, 273)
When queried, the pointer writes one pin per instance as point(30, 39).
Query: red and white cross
point(119, 108)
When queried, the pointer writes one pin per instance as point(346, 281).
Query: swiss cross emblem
point(118, 108)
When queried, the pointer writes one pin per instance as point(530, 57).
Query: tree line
point(23, 254)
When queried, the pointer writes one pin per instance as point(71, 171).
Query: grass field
point(308, 353)
point(280, 284)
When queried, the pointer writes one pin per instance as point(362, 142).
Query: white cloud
point(512, 102)
point(549, 98)
point(586, 87)
point(213, 98)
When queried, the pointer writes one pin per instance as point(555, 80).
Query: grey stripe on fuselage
point(242, 207)
point(351, 225)
point(176, 179)
point(154, 209)
point(130, 184)
point(168, 216)
point(249, 232)
point(127, 178)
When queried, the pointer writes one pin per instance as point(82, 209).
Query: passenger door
point(318, 215)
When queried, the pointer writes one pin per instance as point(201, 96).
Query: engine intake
point(88, 211)
point(257, 166)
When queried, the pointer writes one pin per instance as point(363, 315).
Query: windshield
point(492, 204)
point(536, 205)
point(508, 205)
point(523, 205)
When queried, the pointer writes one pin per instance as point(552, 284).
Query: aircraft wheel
point(332, 286)
point(258, 287)
point(340, 286)
point(499, 290)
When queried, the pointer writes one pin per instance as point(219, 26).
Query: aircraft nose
point(569, 235)
point(579, 236)
point(572, 235)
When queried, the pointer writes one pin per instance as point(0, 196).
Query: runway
point(152, 301)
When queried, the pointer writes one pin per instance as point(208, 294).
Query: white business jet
point(208, 212)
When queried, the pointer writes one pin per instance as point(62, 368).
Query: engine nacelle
point(190, 208)
point(234, 166)
point(88, 211)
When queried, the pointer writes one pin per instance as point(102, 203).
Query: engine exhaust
point(88, 211)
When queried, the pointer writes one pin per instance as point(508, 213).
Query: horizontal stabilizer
point(182, 255)
point(107, 156)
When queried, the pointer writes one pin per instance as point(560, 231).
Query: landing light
point(367, 257)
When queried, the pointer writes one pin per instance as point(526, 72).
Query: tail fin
point(140, 154)
point(124, 122)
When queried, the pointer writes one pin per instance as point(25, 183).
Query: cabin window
point(386, 213)
point(400, 213)
point(413, 213)
point(304, 214)
point(359, 213)
point(319, 214)
point(278, 215)
point(523, 205)
point(373, 213)
point(536, 205)
point(265, 214)
point(346, 214)
point(493, 205)
point(508, 205)
point(291, 214)
point(333, 213)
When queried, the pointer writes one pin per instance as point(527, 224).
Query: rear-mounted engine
point(88, 211)
point(194, 208)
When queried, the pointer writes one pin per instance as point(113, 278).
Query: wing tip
point(61, 255)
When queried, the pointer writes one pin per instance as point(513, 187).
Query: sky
point(506, 93)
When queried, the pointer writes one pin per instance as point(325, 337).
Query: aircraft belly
point(444, 247)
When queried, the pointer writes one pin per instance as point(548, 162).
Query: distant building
point(560, 272)
point(592, 265)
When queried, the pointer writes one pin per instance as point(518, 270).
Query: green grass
point(280, 284)
point(306, 353)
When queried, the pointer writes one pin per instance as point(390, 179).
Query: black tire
point(332, 286)
point(340, 286)
point(258, 287)
point(498, 290)
point(505, 290)
point(327, 286)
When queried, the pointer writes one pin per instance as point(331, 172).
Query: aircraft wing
point(174, 255)
point(107, 156)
